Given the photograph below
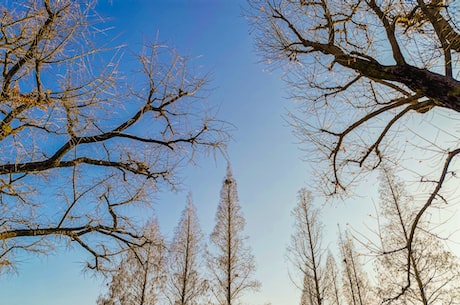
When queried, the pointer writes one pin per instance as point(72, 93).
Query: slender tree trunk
point(229, 250)
point(186, 267)
point(314, 263)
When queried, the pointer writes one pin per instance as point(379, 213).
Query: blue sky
point(264, 155)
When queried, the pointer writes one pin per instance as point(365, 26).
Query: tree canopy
point(81, 141)
point(376, 83)
point(361, 69)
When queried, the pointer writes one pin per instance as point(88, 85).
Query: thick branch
point(446, 34)
point(445, 91)
point(55, 160)
point(390, 31)
point(433, 195)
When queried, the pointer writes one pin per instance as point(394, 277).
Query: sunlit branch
point(64, 113)
point(341, 136)
point(390, 32)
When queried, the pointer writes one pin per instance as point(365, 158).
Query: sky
point(264, 154)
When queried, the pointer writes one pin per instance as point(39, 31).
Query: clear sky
point(264, 156)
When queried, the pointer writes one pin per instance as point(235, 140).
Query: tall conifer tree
point(231, 263)
point(306, 251)
point(186, 285)
point(139, 279)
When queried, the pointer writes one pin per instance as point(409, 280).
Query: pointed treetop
point(189, 198)
point(190, 209)
point(229, 178)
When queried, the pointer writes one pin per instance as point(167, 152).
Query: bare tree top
point(80, 141)
point(360, 70)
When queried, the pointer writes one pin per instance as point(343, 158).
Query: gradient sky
point(264, 156)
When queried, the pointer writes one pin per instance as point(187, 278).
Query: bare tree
point(306, 251)
point(360, 64)
point(230, 262)
point(434, 271)
point(140, 276)
point(356, 287)
point(362, 70)
point(79, 141)
point(333, 293)
point(186, 284)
